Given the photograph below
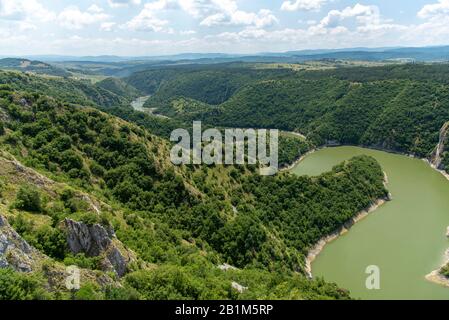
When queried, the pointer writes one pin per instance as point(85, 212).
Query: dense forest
point(394, 107)
point(63, 164)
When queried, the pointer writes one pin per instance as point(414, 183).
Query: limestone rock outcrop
point(96, 240)
point(15, 252)
point(436, 158)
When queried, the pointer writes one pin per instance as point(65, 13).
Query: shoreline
point(444, 173)
point(299, 160)
point(316, 250)
point(436, 276)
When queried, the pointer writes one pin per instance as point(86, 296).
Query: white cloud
point(146, 20)
point(187, 32)
point(362, 13)
point(107, 26)
point(434, 10)
point(367, 19)
point(95, 9)
point(307, 5)
point(73, 18)
point(29, 10)
point(211, 13)
point(123, 3)
point(261, 19)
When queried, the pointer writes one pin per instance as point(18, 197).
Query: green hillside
point(399, 107)
point(174, 226)
point(119, 87)
point(81, 92)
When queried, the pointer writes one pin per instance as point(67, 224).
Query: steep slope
point(396, 107)
point(99, 173)
point(119, 87)
point(397, 115)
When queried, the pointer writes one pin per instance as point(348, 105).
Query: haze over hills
point(433, 53)
point(75, 153)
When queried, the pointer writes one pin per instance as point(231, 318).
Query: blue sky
point(155, 27)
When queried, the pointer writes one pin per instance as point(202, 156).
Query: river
point(405, 238)
point(139, 103)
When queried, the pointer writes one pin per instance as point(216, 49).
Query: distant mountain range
point(439, 53)
point(106, 65)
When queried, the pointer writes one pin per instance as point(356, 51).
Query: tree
point(28, 198)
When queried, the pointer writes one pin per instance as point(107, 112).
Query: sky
point(160, 27)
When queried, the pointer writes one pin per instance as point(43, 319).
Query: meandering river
point(405, 238)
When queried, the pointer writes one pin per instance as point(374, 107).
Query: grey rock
point(97, 240)
point(238, 287)
point(15, 252)
point(91, 240)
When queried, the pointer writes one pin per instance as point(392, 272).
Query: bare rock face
point(436, 157)
point(96, 240)
point(15, 252)
point(238, 287)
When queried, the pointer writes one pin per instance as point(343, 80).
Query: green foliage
point(17, 286)
point(445, 161)
point(445, 271)
point(48, 239)
point(121, 293)
point(28, 198)
point(80, 260)
point(291, 149)
point(119, 87)
point(182, 222)
point(156, 125)
point(89, 291)
point(80, 92)
point(212, 84)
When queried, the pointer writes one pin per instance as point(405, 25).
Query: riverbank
point(318, 248)
point(444, 173)
point(436, 276)
point(298, 161)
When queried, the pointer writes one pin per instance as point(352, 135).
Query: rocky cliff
point(96, 240)
point(436, 157)
point(15, 252)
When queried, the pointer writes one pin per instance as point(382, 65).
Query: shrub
point(17, 286)
point(89, 291)
point(28, 198)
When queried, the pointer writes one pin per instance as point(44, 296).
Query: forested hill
point(81, 92)
point(212, 84)
point(36, 67)
point(395, 107)
point(167, 230)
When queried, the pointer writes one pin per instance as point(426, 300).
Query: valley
point(104, 147)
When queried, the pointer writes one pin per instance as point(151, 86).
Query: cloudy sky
point(154, 27)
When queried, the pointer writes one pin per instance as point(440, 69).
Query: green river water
point(405, 238)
